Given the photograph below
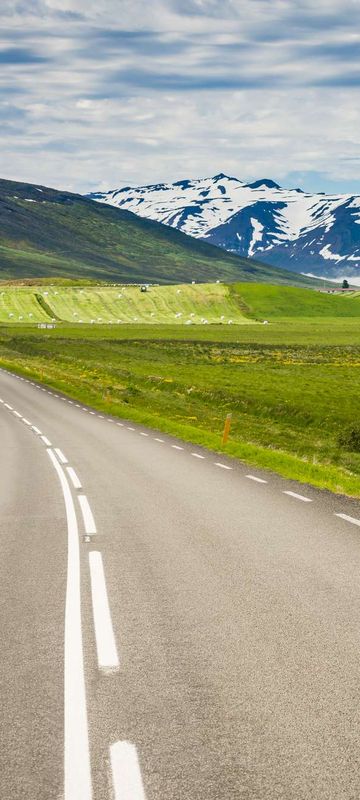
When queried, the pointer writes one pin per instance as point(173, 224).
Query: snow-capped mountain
point(315, 234)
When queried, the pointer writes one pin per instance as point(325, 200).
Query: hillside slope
point(307, 233)
point(47, 232)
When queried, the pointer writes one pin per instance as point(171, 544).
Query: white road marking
point(45, 440)
point(176, 447)
point(78, 405)
point(27, 422)
point(142, 433)
point(105, 640)
point(60, 455)
point(17, 414)
point(89, 522)
point(130, 429)
point(74, 478)
point(7, 406)
point(71, 402)
point(92, 412)
point(100, 416)
point(255, 478)
point(120, 424)
point(223, 466)
point(158, 440)
point(126, 773)
point(353, 520)
point(77, 773)
point(197, 455)
point(1, 401)
point(299, 497)
point(36, 430)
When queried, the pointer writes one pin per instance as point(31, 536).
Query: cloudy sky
point(102, 93)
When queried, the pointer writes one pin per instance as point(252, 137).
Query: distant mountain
point(314, 234)
point(45, 232)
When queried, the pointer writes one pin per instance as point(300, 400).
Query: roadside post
point(227, 427)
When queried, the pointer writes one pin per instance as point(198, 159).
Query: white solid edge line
point(89, 522)
point(197, 455)
point(105, 640)
point(255, 478)
point(77, 771)
point(298, 497)
point(60, 455)
point(126, 773)
point(45, 440)
point(353, 520)
point(223, 466)
point(74, 478)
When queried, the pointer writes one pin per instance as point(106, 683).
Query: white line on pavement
point(36, 430)
point(255, 478)
point(45, 440)
point(197, 455)
point(223, 466)
point(353, 520)
point(77, 773)
point(120, 424)
point(126, 773)
point(129, 428)
point(60, 455)
point(298, 497)
point(158, 440)
point(176, 447)
point(88, 518)
point(142, 433)
point(105, 640)
point(74, 478)
point(7, 406)
point(26, 421)
point(17, 414)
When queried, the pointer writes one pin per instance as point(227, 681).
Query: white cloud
point(133, 91)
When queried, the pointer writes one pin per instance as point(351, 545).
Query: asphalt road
point(174, 626)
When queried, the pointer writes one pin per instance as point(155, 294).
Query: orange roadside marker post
point(227, 427)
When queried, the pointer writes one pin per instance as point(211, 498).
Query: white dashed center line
point(176, 447)
point(255, 478)
point(88, 518)
point(60, 455)
point(298, 497)
point(353, 520)
point(74, 478)
point(126, 773)
point(223, 466)
point(142, 433)
point(46, 441)
point(197, 455)
point(158, 440)
point(105, 640)
point(36, 430)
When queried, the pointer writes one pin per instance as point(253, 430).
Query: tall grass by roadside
point(292, 388)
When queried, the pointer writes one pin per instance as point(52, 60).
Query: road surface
point(174, 625)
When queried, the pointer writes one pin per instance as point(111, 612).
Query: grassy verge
point(291, 402)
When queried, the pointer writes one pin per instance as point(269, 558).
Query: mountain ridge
point(307, 233)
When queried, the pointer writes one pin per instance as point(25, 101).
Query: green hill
point(45, 232)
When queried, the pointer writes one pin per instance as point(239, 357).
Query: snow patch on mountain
point(289, 228)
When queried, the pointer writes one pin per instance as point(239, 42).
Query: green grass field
point(292, 385)
point(183, 304)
